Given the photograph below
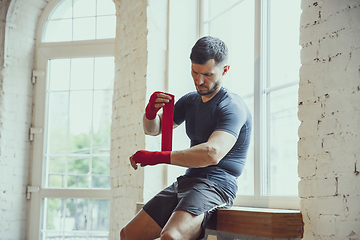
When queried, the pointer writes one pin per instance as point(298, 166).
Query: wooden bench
point(261, 222)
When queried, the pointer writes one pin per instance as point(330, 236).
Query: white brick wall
point(128, 108)
point(329, 100)
point(17, 57)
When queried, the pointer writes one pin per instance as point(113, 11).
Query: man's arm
point(202, 155)
point(205, 154)
point(152, 120)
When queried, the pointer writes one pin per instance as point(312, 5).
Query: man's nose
point(199, 79)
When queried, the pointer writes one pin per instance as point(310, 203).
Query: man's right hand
point(157, 101)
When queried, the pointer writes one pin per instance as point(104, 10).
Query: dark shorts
point(193, 195)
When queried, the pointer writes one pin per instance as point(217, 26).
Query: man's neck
point(208, 97)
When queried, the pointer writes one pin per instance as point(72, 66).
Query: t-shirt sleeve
point(231, 118)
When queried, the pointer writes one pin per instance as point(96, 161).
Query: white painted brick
point(317, 187)
point(326, 225)
point(350, 229)
point(307, 167)
point(309, 147)
point(334, 205)
point(349, 184)
point(352, 206)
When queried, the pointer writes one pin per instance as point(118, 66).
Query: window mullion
point(264, 118)
point(257, 97)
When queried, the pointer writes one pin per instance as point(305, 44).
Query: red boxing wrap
point(167, 125)
point(151, 110)
point(152, 158)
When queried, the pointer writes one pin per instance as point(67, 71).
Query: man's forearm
point(152, 127)
point(205, 154)
point(198, 156)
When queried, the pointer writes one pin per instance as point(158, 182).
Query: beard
point(209, 91)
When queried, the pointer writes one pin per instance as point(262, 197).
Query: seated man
point(218, 124)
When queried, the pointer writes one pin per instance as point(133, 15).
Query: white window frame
point(261, 74)
point(43, 53)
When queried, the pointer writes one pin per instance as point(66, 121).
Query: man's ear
point(225, 69)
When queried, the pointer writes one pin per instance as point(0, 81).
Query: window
point(75, 20)
point(264, 56)
point(73, 107)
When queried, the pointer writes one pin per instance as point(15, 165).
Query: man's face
point(208, 77)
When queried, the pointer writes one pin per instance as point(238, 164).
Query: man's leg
point(182, 225)
point(141, 227)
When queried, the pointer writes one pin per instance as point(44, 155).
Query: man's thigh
point(141, 227)
point(183, 225)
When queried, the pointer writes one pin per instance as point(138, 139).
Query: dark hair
point(207, 48)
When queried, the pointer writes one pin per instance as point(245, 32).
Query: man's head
point(208, 57)
point(207, 48)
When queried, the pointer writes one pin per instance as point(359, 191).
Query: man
point(218, 124)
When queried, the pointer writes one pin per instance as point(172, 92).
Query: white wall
point(18, 24)
point(329, 110)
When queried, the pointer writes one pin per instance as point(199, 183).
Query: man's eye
point(207, 74)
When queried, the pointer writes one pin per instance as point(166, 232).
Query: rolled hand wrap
point(152, 158)
point(151, 110)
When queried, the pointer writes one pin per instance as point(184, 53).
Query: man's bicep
point(222, 141)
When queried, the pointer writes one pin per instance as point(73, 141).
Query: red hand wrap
point(151, 158)
point(167, 125)
point(151, 110)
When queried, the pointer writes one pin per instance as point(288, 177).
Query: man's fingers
point(133, 163)
point(163, 96)
point(162, 99)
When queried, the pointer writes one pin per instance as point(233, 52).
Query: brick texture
point(329, 97)
point(17, 26)
point(128, 108)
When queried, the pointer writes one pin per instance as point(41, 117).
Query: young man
point(218, 124)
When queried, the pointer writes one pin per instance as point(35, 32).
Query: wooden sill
point(261, 222)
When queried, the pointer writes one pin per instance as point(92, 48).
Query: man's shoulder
point(190, 97)
point(230, 98)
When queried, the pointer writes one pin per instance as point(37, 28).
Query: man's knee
point(171, 235)
point(123, 234)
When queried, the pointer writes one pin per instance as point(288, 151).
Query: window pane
point(240, 23)
point(56, 172)
point(105, 27)
point(84, 8)
point(85, 20)
point(58, 122)
point(75, 218)
point(105, 7)
point(102, 120)
point(59, 78)
point(99, 215)
point(217, 6)
point(63, 10)
point(284, 48)
point(78, 165)
point(58, 31)
point(80, 122)
point(82, 73)
point(84, 28)
point(104, 73)
point(246, 180)
point(284, 123)
point(54, 214)
point(101, 172)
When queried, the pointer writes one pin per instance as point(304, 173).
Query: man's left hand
point(149, 158)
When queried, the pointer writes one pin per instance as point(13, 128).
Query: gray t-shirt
point(227, 112)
